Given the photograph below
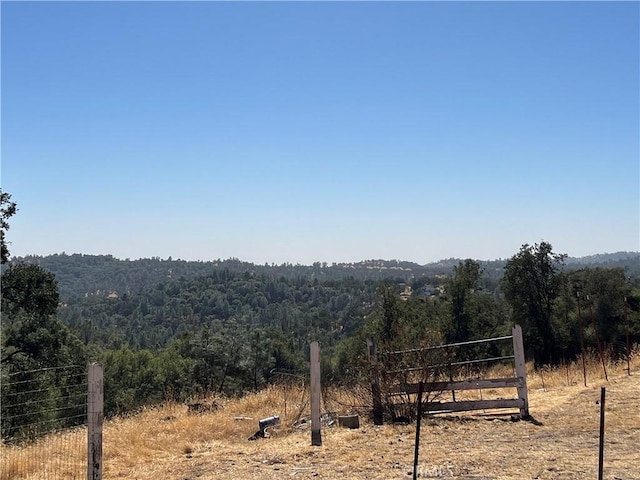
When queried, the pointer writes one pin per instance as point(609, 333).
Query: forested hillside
point(174, 327)
point(80, 275)
point(297, 308)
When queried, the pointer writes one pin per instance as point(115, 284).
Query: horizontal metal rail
point(452, 364)
point(436, 347)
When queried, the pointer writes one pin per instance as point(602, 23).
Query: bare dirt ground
point(561, 444)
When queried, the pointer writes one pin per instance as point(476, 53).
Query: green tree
point(35, 344)
point(463, 283)
point(30, 288)
point(7, 209)
point(260, 361)
point(602, 295)
point(389, 321)
point(133, 379)
point(30, 328)
point(531, 284)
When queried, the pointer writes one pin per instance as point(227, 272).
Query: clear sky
point(312, 131)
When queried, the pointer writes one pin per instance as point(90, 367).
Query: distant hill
point(79, 274)
point(621, 259)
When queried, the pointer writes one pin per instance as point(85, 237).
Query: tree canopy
point(7, 210)
point(531, 283)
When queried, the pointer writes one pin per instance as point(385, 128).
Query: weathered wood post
point(95, 402)
point(375, 382)
point(521, 370)
point(316, 436)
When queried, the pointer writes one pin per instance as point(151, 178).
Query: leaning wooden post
point(521, 370)
point(95, 402)
point(375, 382)
point(316, 436)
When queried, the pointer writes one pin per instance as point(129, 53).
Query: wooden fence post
point(375, 382)
point(95, 402)
point(521, 370)
point(316, 436)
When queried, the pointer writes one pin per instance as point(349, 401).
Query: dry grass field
point(169, 443)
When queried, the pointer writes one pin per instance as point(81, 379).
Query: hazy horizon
point(329, 263)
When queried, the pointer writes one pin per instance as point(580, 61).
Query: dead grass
point(169, 443)
point(59, 455)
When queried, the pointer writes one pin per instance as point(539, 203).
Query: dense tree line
point(81, 275)
point(100, 275)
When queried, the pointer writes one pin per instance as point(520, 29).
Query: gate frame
point(519, 381)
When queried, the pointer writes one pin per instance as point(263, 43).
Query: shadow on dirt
point(488, 417)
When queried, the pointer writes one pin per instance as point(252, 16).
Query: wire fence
point(43, 418)
point(397, 376)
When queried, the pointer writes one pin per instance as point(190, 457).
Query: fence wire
point(43, 416)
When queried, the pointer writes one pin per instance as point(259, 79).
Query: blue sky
point(321, 131)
